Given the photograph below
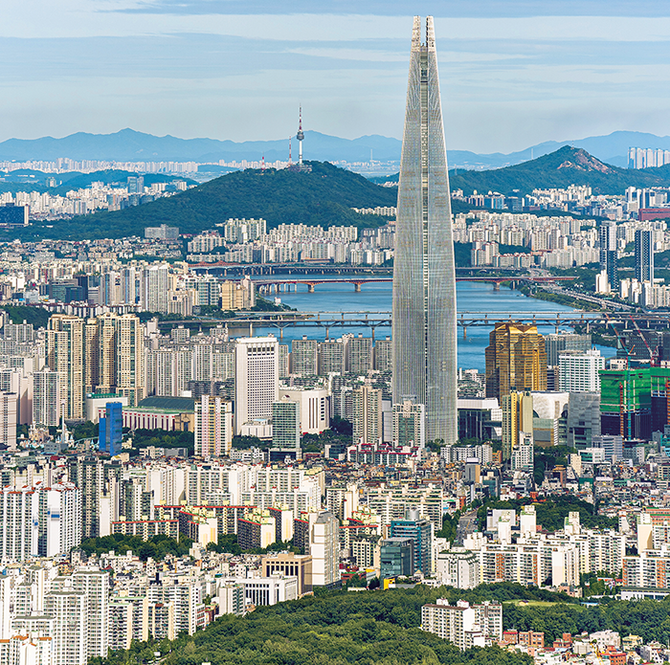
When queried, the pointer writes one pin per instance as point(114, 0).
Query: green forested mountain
point(324, 197)
point(336, 628)
point(562, 168)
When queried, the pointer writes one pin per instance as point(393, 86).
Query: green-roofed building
point(169, 413)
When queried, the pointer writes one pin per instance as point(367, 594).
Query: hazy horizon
point(513, 74)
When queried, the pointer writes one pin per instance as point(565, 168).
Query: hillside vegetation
point(323, 197)
point(560, 169)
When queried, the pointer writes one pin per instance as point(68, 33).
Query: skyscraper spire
point(424, 284)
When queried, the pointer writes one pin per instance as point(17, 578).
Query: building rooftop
point(180, 404)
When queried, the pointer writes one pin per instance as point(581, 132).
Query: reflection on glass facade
point(424, 284)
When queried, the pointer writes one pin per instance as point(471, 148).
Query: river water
point(376, 297)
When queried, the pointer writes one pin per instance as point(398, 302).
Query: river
point(376, 297)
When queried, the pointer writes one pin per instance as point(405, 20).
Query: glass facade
point(424, 285)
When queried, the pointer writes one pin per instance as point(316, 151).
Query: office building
point(324, 548)
point(286, 427)
point(110, 429)
point(396, 558)
point(609, 264)
point(290, 565)
point(580, 372)
point(367, 414)
point(256, 379)
point(420, 530)
point(213, 431)
point(583, 419)
point(313, 406)
point(516, 358)
point(556, 343)
point(644, 255)
point(409, 424)
point(424, 284)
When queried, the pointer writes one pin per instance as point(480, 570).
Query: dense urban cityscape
point(200, 465)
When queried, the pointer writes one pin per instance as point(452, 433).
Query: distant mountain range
point(129, 145)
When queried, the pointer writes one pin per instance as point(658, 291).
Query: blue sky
point(512, 73)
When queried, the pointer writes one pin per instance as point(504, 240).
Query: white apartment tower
point(213, 427)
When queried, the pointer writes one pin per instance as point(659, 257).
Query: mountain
point(129, 145)
point(559, 169)
point(562, 168)
point(324, 196)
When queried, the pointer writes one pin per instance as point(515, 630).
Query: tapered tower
point(424, 283)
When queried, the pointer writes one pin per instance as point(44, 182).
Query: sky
point(513, 73)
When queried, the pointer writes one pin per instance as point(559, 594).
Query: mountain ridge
point(131, 145)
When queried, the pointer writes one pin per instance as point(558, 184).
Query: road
point(466, 524)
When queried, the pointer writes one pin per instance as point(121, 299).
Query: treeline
point(649, 619)
point(157, 547)
point(551, 514)
point(337, 628)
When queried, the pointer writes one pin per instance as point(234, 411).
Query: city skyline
point(520, 73)
point(424, 281)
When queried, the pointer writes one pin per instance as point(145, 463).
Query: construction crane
point(652, 355)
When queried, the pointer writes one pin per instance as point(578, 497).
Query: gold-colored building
point(516, 358)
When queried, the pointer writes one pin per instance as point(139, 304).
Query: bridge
point(266, 285)
point(382, 319)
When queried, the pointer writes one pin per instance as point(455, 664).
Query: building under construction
point(635, 402)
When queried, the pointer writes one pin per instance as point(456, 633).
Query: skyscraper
point(644, 256)
point(424, 284)
point(256, 378)
point(516, 358)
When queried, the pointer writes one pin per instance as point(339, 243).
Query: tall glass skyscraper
point(424, 283)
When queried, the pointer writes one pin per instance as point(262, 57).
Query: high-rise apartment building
point(367, 414)
point(65, 355)
point(383, 355)
point(516, 358)
point(8, 419)
point(213, 434)
point(331, 357)
point(644, 255)
point(304, 356)
point(517, 411)
point(46, 398)
point(359, 355)
point(609, 264)
point(463, 625)
point(325, 550)
point(424, 285)
point(409, 424)
point(256, 378)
